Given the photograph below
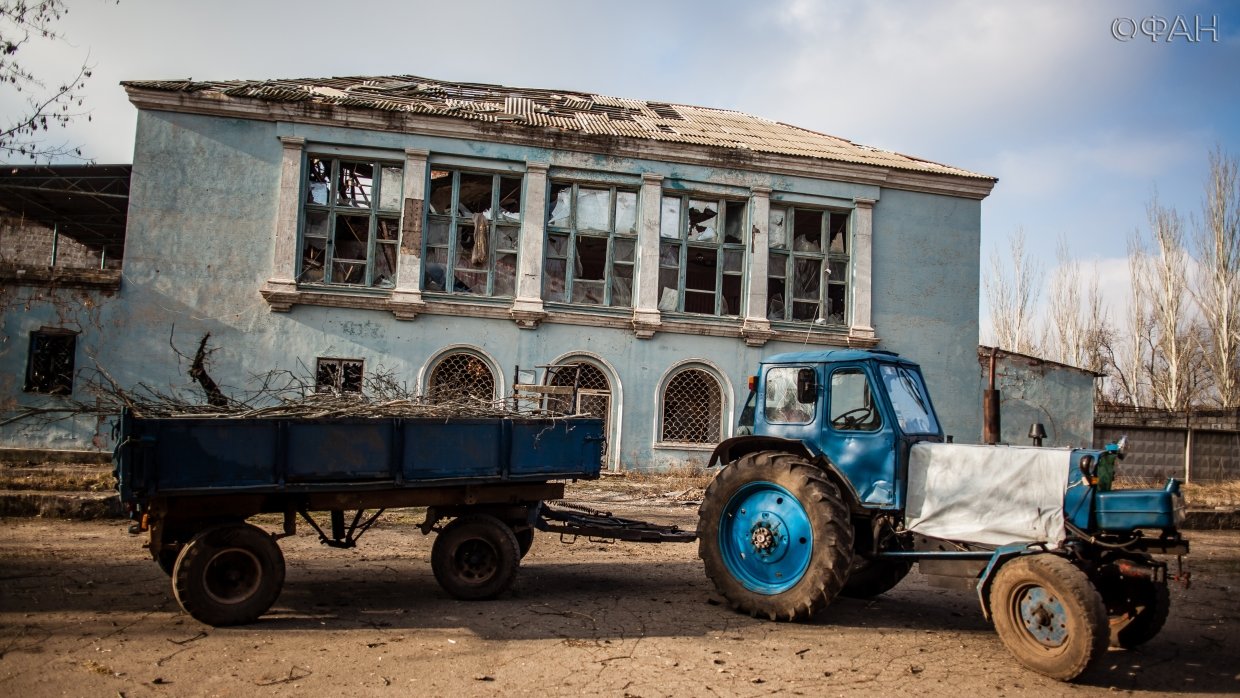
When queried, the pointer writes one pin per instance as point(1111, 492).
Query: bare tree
point(1217, 291)
point(1012, 298)
point(22, 134)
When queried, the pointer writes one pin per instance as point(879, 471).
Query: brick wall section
point(24, 243)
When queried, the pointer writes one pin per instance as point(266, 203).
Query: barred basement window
point(806, 246)
point(701, 255)
point(692, 408)
point(350, 223)
point(338, 376)
point(49, 364)
point(461, 377)
point(591, 245)
point(472, 225)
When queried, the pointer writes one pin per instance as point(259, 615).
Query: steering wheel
point(847, 421)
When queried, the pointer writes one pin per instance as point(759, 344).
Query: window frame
point(338, 382)
point(52, 383)
point(719, 246)
point(720, 416)
point(825, 259)
point(333, 210)
point(573, 233)
point(455, 221)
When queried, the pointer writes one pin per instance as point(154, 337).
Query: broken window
point(692, 408)
point(591, 245)
point(49, 365)
point(473, 221)
point(808, 275)
point(461, 377)
point(351, 222)
point(701, 255)
point(338, 376)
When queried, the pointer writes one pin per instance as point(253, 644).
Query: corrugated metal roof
point(560, 109)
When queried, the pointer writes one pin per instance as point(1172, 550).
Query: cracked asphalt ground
point(84, 612)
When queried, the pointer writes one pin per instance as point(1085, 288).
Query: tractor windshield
point(908, 399)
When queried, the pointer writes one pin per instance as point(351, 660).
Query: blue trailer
point(191, 484)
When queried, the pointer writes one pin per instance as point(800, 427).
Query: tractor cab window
point(781, 404)
point(908, 399)
point(852, 402)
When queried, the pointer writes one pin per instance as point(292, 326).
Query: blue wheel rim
point(1043, 615)
point(765, 538)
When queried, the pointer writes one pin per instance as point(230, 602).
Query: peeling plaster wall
point(203, 210)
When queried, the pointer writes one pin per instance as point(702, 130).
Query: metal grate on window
point(583, 377)
point(692, 408)
point(461, 377)
point(49, 365)
point(338, 376)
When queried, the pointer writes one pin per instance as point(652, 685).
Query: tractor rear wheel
point(1049, 615)
point(775, 536)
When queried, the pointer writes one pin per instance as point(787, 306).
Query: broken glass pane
point(557, 245)
point(839, 271)
point(807, 233)
point(436, 232)
point(839, 232)
point(622, 285)
point(509, 200)
point(776, 232)
point(622, 250)
point(352, 237)
point(703, 218)
point(553, 281)
point(733, 219)
point(593, 209)
point(318, 176)
point(473, 282)
point(777, 267)
point(348, 272)
point(389, 229)
point(440, 200)
point(589, 292)
point(316, 224)
point(313, 257)
point(808, 279)
point(626, 212)
point(733, 261)
point(669, 297)
point(354, 184)
point(775, 299)
point(731, 295)
point(390, 189)
point(700, 271)
point(805, 310)
point(835, 303)
point(669, 255)
point(591, 258)
point(327, 376)
point(505, 274)
point(466, 255)
point(385, 265)
point(351, 381)
point(561, 212)
point(475, 194)
point(434, 269)
point(669, 220)
point(506, 238)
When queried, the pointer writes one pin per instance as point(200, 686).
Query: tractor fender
point(739, 446)
point(1002, 554)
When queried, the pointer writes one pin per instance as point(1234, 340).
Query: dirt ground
point(84, 612)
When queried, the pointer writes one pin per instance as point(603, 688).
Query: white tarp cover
point(992, 495)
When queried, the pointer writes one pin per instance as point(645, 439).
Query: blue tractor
point(842, 479)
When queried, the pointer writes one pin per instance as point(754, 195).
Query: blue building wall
point(203, 206)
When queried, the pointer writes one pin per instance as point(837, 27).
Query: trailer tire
point(869, 578)
point(228, 574)
point(1049, 615)
point(1138, 611)
point(475, 557)
point(775, 536)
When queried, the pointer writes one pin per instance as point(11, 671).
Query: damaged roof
point(561, 110)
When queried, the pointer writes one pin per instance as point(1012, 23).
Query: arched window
point(461, 376)
point(692, 408)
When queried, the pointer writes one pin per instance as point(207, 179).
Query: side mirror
point(807, 386)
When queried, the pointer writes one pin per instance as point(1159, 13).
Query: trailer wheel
point(1049, 615)
point(1138, 609)
point(775, 536)
point(869, 578)
point(229, 574)
point(475, 557)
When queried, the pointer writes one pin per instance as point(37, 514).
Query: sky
point(1083, 110)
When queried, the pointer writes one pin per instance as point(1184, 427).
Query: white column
point(527, 308)
point(863, 244)
point(406, 300)
point(646, 318)
point(757, 328)
point(281, 287)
